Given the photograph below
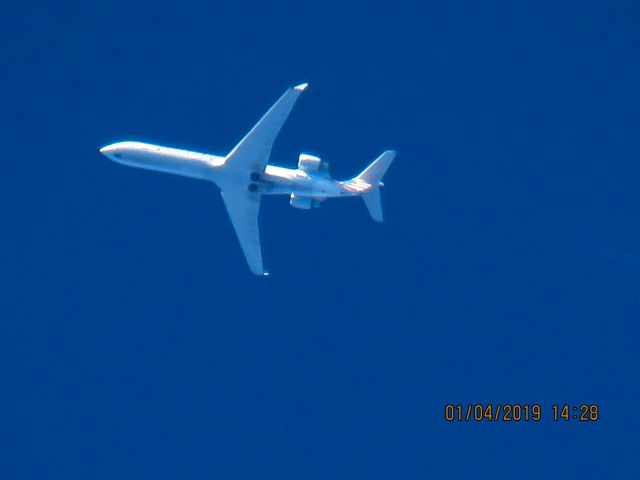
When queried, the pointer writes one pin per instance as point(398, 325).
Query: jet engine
point(304, 203)
point(313, 165)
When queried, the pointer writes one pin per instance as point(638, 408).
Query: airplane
point(244, 175)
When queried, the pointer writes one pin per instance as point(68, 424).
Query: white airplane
point(244, 175)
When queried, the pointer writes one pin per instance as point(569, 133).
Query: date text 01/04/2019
point(514, 412)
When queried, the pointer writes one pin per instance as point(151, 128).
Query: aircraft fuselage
point(275, 180)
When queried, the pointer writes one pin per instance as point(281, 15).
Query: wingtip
point(301, 87)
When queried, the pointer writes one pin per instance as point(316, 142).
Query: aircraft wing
point(253, 151)
point(243, 207)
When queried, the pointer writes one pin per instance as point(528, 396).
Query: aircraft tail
point(375, 171)
point(374, 203)
point(369, 181)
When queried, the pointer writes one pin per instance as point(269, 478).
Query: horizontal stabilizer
point(374, 203)
point(375, 171)
point(369, 181)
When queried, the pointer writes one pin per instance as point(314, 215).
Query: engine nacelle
point(304, 203)
point(309, 163)
point(313, 164)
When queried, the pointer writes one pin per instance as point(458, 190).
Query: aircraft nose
point(112, 151)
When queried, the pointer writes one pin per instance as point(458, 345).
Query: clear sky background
point(134, 342)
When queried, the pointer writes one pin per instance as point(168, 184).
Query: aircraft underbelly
point(196, 168)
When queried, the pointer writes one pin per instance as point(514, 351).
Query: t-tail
point(369, 181)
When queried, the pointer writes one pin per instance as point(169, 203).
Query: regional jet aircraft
point(244, 175)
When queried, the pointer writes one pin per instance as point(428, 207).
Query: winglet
point(301, 87)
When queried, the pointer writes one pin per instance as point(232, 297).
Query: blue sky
point(134, 343)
